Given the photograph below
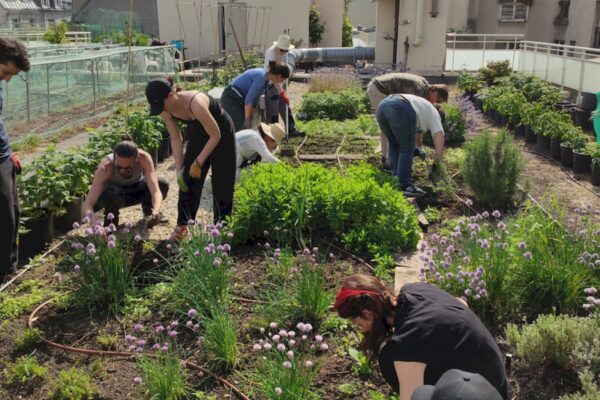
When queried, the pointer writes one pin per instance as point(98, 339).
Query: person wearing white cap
point(276, 93)
point(258, 145)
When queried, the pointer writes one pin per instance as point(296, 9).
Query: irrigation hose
point(297, 150)
point(104, 353)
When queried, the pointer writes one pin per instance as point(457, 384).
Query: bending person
point(426, 332)
point(401, 82)
point(258, 145)
point(210, 144)
point(400, 116)
point(126, 178)
point(240, 98)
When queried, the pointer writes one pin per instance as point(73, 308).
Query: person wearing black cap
point(458, 385)
point(425, 332)
point(210, 143)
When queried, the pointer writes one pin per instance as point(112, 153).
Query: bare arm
point(101, 176)
point(248, 111)
point(176, 140)
point(201, 113)
point(438, 144)
point(152, 181)
point(411, 375)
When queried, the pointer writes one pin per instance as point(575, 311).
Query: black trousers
point(114, 197)
point(233, 105)
point(222, 161)
point(275, 103)
point(9, 217)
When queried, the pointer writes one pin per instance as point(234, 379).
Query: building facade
point(32, 14)
point(554, 21)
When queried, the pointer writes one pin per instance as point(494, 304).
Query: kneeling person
point(125, 178)
point(258, 145)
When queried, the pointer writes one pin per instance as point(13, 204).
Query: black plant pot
point(520, 130)
point(581, 163)
point(547, 144)
point(555, 148)
point(530, 136)
point(163, 150)
point(566, 156)
point(580, 117)
point(539, 146)
point(73, 214)
point(502, 119)
point(596, 173)
point(40, 233)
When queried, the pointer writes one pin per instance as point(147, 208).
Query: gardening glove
point(16, 162)
point(195, 170)
point(181, 181)
point(436, 171)
point(284, 96)
point(247, 123)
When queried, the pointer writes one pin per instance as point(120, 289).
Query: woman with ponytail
point(210, 144)
point(240, 98)
point(419, 334)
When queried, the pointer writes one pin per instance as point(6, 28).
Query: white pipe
point(419, 23)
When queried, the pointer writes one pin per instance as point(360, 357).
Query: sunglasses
point(283, 50)
point(120, 168)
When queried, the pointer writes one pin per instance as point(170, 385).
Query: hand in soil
point(436, 172)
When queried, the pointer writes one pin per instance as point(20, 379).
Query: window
point(46, 3)
point(59, 4)
point(513, 11)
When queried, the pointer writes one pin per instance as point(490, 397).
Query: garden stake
point(125, 355)
point(337, 153)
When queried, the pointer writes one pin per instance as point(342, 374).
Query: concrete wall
point(487, 21)
point(146, 10)
point(429, 55)
point(202, 38)
point(540, 24)
point(458, 15)
point(581, 23)
point(362, 12)
point(332, 14)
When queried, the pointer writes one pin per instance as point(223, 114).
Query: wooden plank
point(329, 157)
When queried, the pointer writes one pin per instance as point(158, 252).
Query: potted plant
point(73, 168)
point(528, 114)
point(582, 158)
point(146, 132)
point(580, 117)
point(164, 149)
point(469, 83)
point(573, 138)
point(556, 137)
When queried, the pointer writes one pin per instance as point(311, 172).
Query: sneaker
point(181, 232)
point(296, 133)
point(420, 153)
point(413, 191)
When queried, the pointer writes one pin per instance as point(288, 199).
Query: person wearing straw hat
point(276, 94)
point(258, 145)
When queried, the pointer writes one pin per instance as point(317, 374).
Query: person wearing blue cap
point(458, 385)
point(210, 144)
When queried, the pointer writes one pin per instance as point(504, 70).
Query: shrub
point(455, 124)
point(361, 206)
point(25, 369)
point(73, 384)
point(468, 82)
point(56, 34)
point(491, 168)
point(345, 104)
point(495, 70)
point(315, 27)
point(591, 391)
point(555, 340)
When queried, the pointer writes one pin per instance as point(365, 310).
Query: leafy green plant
point(235, 67)
point(107, 342)
point(362, 366)
point(455, 124)
point(495, 70)
point(315, 27)
point(146, 131)
point(73, 384)
point(346, 104)
point(220, 339)
point(529, 113)
point(590, 390)
point(163, 377)
point(57, 33)
point(24, 369)
point(27, 340)
point(362, 206)
point(575, 138)
point(491, 168)
point(469, 82)
point(363, 125)
point(346, 27)
point(593, 150)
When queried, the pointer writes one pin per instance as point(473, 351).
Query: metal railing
point(471, 51)
point(30, 36)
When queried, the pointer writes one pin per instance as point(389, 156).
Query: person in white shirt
point(400, 116)
point(276, 94)
point(258, 145)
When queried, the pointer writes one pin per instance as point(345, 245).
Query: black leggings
point(222, 160)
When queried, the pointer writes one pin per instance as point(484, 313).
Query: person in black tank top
point(425, 332)
point(210, 143)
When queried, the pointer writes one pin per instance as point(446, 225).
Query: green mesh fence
point(76, 82)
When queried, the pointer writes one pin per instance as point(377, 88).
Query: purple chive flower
point(155, 261)
point(173, 324)
point(278, 391)
point(291, 334)
point(496, 214)
point(522, 246)
point(138, 327)
point(192, 313)
point(276, 338)
point(141, 343)
point(215, 233)
point(169, 246)
point(324, 347)
point(164, 349)
point(197, 253)
point(111, 245)
point(173, 334)
point(137, 380)
point(591, 290)
point(132, 348)
point(110, 216)
point(300, 326)
point(468, 292)
point(290, 354)
point(137, 238)
point(226, 247)
point(309, 364)
point(273, 325)
point(287, 364)
point(76, 268)
point(257, 347)
point(189, 324)
point(217, 262)
point(485, 214)
point(155, 347)
point(483, 293)
point(527, 256)
point(319, 338)
point(160, 329)
point(196, 327)
point(469, 202)
point(267, 346)
point(86, 220)
point(281, 347)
